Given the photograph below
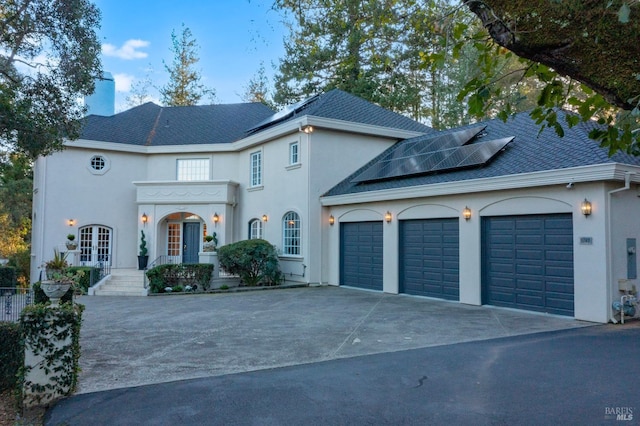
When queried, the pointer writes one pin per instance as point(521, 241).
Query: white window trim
point(297, 145)
point(260, 229)
point(260, 173)
point(102, 171)
point(208, 169)
point(299, 254)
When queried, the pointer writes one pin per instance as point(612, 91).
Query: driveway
point(132, 341)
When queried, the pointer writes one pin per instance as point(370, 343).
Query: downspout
point(610, 287)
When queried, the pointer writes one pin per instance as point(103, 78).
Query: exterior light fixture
point(306, 129)
point(466, 213)
point(265, 218)
point(387, 217)
point(216, 218)
point(585, 207)
point(71, 222)
point(332, 220)
point(144, 218)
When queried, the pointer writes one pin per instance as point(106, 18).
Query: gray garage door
point(429, 258)
point(528, 262)
point(361, 255)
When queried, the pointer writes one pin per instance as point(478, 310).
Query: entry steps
point(123, 282)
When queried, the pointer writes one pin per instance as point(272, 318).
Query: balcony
point(186, 192)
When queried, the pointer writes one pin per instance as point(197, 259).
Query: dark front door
point(190, 242)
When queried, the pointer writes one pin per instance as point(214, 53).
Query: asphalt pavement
point(341, 356)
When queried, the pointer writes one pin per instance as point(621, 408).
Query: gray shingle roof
point(153, 125)
point(340, 105)
point(527, 153)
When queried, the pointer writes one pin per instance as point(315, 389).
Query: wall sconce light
point(71, 222)
point(265, 218)
point(216, 218)
point(305, 129)
point(387, 217)
point(145, 219)
point(466, 213)
point(332, 220)
point(585, 207)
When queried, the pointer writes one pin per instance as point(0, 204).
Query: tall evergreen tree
point(184, 87)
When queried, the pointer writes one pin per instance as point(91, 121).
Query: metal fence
point(13, 301)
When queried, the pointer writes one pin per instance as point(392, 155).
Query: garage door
point(528, 262)
point(429, 258)
point(361, 255)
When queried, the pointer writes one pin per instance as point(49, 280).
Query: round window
point(98, 162)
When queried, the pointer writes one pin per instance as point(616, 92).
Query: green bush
point(255, 261)
point(11, 355)
point(8, 276)
point(85, 280)
point(196, 275)
point(40, 297)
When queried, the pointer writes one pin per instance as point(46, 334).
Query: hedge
point(8, 276)
point(85, 280)
point(11, 355)
point(197, 276)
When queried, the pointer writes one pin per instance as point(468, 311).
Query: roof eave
point(591, 173)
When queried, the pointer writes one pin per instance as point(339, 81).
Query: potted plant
point(211, 242)
point(59, 283)
point(71, 243)
point(143, 258)
point(56, 265)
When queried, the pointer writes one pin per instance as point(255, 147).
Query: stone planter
point(54, 290)
point(71, 245)
point(209, 246)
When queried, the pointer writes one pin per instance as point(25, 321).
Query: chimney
point(103, 99)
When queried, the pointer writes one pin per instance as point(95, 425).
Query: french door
point(95, 245)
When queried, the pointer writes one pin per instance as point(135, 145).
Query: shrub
point(85, 281)
point(8, 276)
point(197, 275)
point(255, 261)
point(11, 355)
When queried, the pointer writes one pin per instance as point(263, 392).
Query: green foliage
point(50, 57)
point(197, 276)
point(44, 330)
point(11, 355)
point(184, 87)
point(59, 261)
point(143, 244)
point(255, 261)
point(7, 276)
point(40, 298)
point(84, 278)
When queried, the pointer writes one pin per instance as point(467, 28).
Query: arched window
point(291, 234)
point(255, 229)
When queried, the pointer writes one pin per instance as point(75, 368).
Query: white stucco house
point(355, 195)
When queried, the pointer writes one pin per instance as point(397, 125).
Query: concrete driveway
point(131, 341)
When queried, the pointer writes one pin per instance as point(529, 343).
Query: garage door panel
point(361, 255)
point(429, 253)
point(532, 266)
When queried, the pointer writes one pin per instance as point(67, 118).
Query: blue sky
point(234, 36)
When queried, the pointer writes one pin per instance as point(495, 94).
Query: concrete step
point(123, 282)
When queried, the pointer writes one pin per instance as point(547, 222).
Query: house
point(352, 194)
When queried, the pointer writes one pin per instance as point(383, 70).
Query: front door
point(191, 242)
point(95, 245)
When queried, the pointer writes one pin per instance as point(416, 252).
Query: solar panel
point(417, 155)
point(436, 161)
point(283, 113)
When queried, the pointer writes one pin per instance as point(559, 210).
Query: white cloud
point(129, 50)
point(123, 82)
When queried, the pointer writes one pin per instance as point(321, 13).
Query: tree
point(257, 89)
point(184, 87)
point(48, 59)
point(595, 43)
point(140, 91)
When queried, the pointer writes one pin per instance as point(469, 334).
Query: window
point(256, 169)
point(174, 238)
point(193, 169)
point(291, 234)
point(98, 162)
point(255, 229)
point(294, 150)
